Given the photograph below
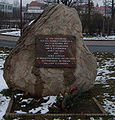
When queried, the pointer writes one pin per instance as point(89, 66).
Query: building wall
point(103, 10)
point(5, 7)
point(33, 10)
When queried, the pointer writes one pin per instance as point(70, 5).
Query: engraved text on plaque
point(55, 51)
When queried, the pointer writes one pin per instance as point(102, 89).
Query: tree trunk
point(89, 15)
point(112, 16)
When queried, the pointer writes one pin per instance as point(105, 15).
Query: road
point(93, 45)
point(101, 46)
point(8, 41)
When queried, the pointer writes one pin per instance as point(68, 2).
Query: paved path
point(101, 46)
point(93, 45)
point(8, 41)
point(100, 42)
point(8, 38)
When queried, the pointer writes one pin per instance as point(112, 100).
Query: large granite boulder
point(19, 68)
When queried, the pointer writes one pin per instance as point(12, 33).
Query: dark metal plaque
point(55, 51)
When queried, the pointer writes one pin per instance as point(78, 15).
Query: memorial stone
point(51, 56)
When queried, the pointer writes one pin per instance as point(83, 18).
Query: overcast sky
point(100, 2)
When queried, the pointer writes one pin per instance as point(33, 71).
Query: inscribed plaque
point(55, 51)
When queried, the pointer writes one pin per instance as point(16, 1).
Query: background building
point(6, 12)
point(16, 3)
point(6, 7)
point(104, 10)
point(33, 10)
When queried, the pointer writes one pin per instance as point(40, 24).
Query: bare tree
point(113, 9)
point(65, 2)
point(4, 1)
point(112, 16)
point(110, 4)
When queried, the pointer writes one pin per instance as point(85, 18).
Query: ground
point(105, 83)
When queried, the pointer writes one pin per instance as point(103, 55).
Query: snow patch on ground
point(8, 29)
point(20, 112)
point(109, 106)
point(31, 22)
point(27, 100)
point(100, 38)
point(103, 75)
point(3, 105)
point(3, 84)
point(44, 106)
point(103, 72)
point(3, 100)
point(13, 33)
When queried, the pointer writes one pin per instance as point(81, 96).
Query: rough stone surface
point(19, 70)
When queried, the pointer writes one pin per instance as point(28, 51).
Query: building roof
point(102, 8)
point(36, 3)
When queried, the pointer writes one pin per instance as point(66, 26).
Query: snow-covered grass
point(38, 106)
point(27, 100)
point(100, 38)
point(8, 29)
point(109, 106)
point(106, 66)
point(3, 100)
point(2, 60)
point(106, 79)
point(44, 107)
point(3, 105)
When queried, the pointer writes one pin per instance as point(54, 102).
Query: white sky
point(100, 2)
